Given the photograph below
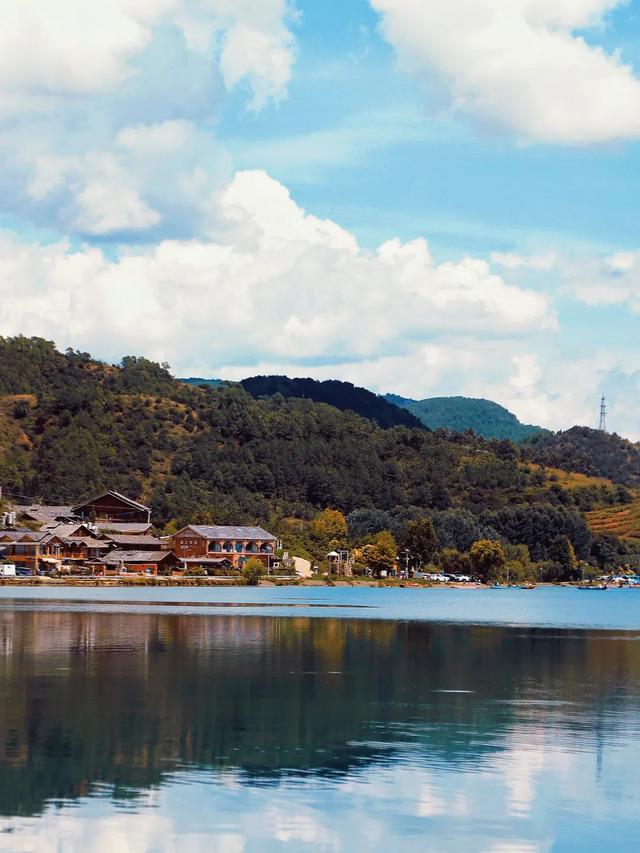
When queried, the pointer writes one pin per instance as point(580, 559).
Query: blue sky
point(429, 199)
point(468, 191)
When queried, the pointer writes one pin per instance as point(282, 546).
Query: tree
point(454, 562)
point(563, 556)
point(367, 522)
point(330, 524)
point(487, 559)
point(252, 571)
point(420, 539)
point(519, 565)
point(607, 551)
point(380, 554)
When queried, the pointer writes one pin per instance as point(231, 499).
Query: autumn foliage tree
point(487, 559)
point(380, 554)
point(330, 525)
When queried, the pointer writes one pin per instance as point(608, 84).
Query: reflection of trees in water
point(123, 700)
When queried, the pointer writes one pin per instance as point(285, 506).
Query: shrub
point(252, 571)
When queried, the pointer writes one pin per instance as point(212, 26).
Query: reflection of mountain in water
point(123, 700)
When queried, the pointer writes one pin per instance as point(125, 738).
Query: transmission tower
point(603, 414)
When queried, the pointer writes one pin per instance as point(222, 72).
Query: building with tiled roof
point(146, 562)
point(236, 544)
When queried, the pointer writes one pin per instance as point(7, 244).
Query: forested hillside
point(592, 452)
point(461, 414)
point(71, 426)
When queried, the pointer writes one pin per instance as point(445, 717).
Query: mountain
point(590, 451)
point(196, 380)
point(460, 414)
point(342, 395)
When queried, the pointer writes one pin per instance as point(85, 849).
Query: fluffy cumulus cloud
point(520, 65)
point(274, 282)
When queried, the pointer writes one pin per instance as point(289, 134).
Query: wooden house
point(111, 506)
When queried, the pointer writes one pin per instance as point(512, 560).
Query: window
point(266, 549)
point(239, 547)
point(215, 546)
point(252, 548)
point(228, 547)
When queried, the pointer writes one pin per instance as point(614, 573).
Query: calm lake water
point(400, 719)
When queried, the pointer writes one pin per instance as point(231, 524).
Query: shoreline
point(160, 582)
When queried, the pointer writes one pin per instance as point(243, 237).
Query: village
point(111, 535)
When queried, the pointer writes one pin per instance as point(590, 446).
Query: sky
point(429, 199)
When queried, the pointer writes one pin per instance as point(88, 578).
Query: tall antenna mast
point(603, 414)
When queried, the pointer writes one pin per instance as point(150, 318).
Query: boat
point(498, 586)
point(527, 586)
point(601, 587)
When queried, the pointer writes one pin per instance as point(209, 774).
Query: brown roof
point(116, 557)
point(88, 541)
point(27, 535)
point(122, 539)
point(113, 494)
point(44, 512)
point(66, 530)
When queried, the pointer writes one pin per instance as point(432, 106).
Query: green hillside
point(461, 414)
point(592, 452)
point(71, 426)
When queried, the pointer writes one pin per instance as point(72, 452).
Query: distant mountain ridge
point(197, 380)
point(460, 414)
point(342, 395)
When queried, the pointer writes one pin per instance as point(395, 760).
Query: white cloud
point(104, 208)
point(520, 65)
point(512, 261)
point(41, 53)
point(275, 282)
point(609, 280)
point(78, 47)
point(110, 133)
point(261, 58)
point(98, 196)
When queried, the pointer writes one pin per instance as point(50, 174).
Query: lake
point(244, 719)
